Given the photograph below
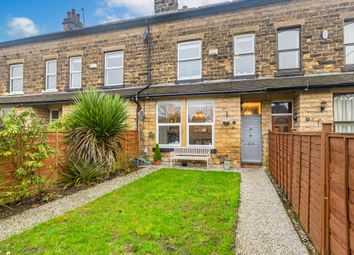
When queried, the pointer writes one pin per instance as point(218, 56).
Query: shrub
point(81, 172)
point(157, 153)
point(3, 193)
point(95, 127)
point(24, 142)
point(57, 126)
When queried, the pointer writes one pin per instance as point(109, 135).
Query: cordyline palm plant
point(95, 127)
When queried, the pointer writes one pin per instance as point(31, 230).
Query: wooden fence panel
point(315, 191)
point(51, 168)
point(351, 191)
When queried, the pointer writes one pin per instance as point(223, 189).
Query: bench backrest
point(191, 151)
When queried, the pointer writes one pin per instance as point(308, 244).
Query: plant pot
point(157, 162)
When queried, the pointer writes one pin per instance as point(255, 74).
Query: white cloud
point(21, 26)
point(107, 15)
point(136, 7)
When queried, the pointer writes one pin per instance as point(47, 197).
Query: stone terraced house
point(218, 76)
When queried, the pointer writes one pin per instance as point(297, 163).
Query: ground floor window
point(200, 123)
point(4, 112)
point(344, 113)
point(54, 115)
point(169, 123)
point(282, 115)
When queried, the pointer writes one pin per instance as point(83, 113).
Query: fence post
point(326, 129)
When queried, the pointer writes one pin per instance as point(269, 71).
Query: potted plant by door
point(157, 155)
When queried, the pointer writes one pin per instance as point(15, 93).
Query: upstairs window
point(114, 68)
point(169, 124)
point(190, 60)
point(51, 75)
point(289, 49)
point(200, 123)
point(344, 113)
point(75, 72)
point(16, 79)
point(349, 43)
point(244, 56)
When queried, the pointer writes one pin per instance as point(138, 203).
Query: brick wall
point(216, 32)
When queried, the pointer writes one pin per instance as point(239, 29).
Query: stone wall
point(216, 32)
point(227, 138)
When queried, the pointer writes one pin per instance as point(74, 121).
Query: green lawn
point(167, 212)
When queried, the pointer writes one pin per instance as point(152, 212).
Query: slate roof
point(232, 6)
point(224, 87)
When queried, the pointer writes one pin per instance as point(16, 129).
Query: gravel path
point(263, 224)
point(28, 219)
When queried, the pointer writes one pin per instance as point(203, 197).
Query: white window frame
point(50, 114)
point(282, 114)
point(12, 78)
point(47, 75)
point(168, 125)
point(283, 30)
point(253, 52)
point(335, 117)
point(74, 72)
point(201, 123)
point(179, 78)
point(113, 68)
point(3, 110)
point(346, 23)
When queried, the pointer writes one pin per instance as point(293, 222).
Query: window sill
point(284, 73)
point(348, 68)
point(188, 81)
point(16, 93)
point(49, 91)
point(244, 77)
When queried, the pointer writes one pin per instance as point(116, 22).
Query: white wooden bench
point(188, 153)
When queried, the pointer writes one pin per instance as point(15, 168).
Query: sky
point(24, 18)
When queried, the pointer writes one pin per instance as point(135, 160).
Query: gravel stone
point(263, 225)
point(28, 219)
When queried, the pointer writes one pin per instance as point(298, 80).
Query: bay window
point(244, 58)
point(114, 68)
point(289, 49)
point(75, 72)
point(189, 60)
point(168, 124)
point(349, 43)
point(16, 79)
point(200, 123)
point(344, 113)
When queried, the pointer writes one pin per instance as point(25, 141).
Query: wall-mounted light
point(295, 116)
point(226, 120)
point(323, 106)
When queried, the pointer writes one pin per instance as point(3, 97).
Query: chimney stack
point(72, 21)
point(164, 6)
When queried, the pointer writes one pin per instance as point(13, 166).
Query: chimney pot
point(72, 21)
point(162, 6)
